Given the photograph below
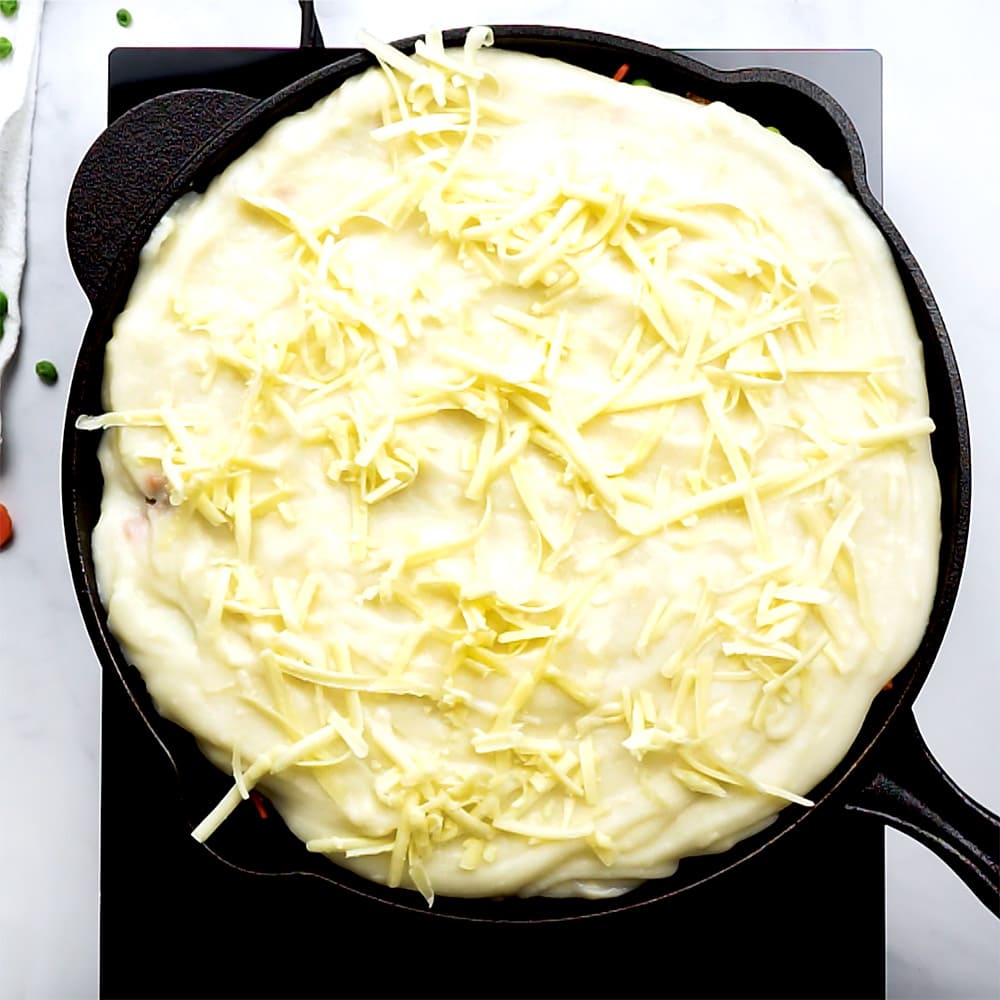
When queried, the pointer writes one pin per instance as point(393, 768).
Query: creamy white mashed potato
point(521, 477)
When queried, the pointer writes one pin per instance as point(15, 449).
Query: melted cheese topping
point(541, 475)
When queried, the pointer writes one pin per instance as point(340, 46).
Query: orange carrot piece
point(6, 526)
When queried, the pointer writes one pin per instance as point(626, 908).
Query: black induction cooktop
point(804, 919)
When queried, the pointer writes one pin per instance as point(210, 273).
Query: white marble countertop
point(941, 154)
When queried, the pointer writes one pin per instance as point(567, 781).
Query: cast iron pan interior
point(190, 137)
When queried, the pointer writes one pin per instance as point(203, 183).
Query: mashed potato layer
point(521, 477)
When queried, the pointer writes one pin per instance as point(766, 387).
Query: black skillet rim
point(951, 441)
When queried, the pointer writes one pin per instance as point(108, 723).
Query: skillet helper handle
point(129, 166)
point(912, 793)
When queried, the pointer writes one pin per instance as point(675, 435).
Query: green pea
point(774, 129)
point(3, 304)
point(46, 371)
point(641, 83)
point(8, 7)
point(5, 48)
point(124, 17)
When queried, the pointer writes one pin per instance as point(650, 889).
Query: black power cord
point(310, 37)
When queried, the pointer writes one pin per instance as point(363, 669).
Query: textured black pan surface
point(178, 143)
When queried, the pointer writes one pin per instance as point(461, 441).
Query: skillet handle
point(912, 793)
point(129, 166)
point(311, 37)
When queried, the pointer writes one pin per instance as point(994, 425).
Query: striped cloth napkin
point(18, 78)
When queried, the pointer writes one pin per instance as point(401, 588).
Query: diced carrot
point(6, 526)
point(621, 72)
point(156, 484)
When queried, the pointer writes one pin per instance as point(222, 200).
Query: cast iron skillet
point(153, 154)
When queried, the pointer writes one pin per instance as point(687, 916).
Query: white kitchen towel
point(18, 78)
